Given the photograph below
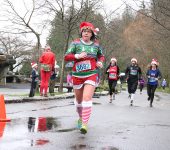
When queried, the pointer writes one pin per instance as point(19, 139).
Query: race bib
point(133, 72)
point(152, 79)
point(83, 65)
point(112, 76)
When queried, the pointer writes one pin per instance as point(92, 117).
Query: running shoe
point(149, 98)
point(79, 124)
point(131, 103)
point(83, 129)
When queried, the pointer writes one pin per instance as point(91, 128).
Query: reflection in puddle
point(39, 142)
point(30, 132)
point(81, 147)
point(2, 128)
point(42, 124)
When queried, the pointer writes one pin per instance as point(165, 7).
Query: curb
point(57, 97)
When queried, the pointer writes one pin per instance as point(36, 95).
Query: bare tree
point(18, 49)
point(70, 13)
point(23, 22)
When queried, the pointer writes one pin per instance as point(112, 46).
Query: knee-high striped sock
point(86, 111)
point(78, 108)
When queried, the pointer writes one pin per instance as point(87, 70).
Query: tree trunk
point(63, 65)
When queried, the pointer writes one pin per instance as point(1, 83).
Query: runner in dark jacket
point(133, 73)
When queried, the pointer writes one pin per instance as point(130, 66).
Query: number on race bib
point(83, 65)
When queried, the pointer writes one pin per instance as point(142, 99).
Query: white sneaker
point(131, 103)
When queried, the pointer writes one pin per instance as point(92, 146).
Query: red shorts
point(79, 82)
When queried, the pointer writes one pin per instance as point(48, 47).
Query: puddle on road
point(26, 131)
point(80, 147)
point(161, 125)
point(66, 130)
point(42, 124)
point(110, 148)
point(41, 142)
point(96, 103)
point(85, 147)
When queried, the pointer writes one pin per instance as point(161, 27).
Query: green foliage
point(167, 90)
point(26, 69)
point(61, 27)
point(132, 34)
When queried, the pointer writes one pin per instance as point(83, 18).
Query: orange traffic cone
point(2, 127)
point(3, 110)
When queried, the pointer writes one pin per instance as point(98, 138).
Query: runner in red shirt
point(113, 75)
point(88, 57)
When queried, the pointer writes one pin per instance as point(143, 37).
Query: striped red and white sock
point(86, 111)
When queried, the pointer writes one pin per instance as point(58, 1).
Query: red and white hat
point(33, 64)
point(87, 25)
point(154, 61)
point(113, 59)
point(96, 31)
point(134, 59)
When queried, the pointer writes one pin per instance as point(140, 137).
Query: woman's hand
point(108, 70)
point(99, 64)
point(81, 55)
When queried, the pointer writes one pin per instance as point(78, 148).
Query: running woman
point(113, 75)
point(133, 73)
point(88, 57)
point(153, 75)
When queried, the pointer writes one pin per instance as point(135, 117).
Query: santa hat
point(96, 31)
point(33, 64)
point(113, 59)
point(87, 25)
point(154, 61)
point(134, 59)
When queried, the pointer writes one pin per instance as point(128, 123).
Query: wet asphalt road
point(51, 125)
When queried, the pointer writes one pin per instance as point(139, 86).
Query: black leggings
point(151, 91)
point(112, 86)
point(132, 86)
point(141, 87)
